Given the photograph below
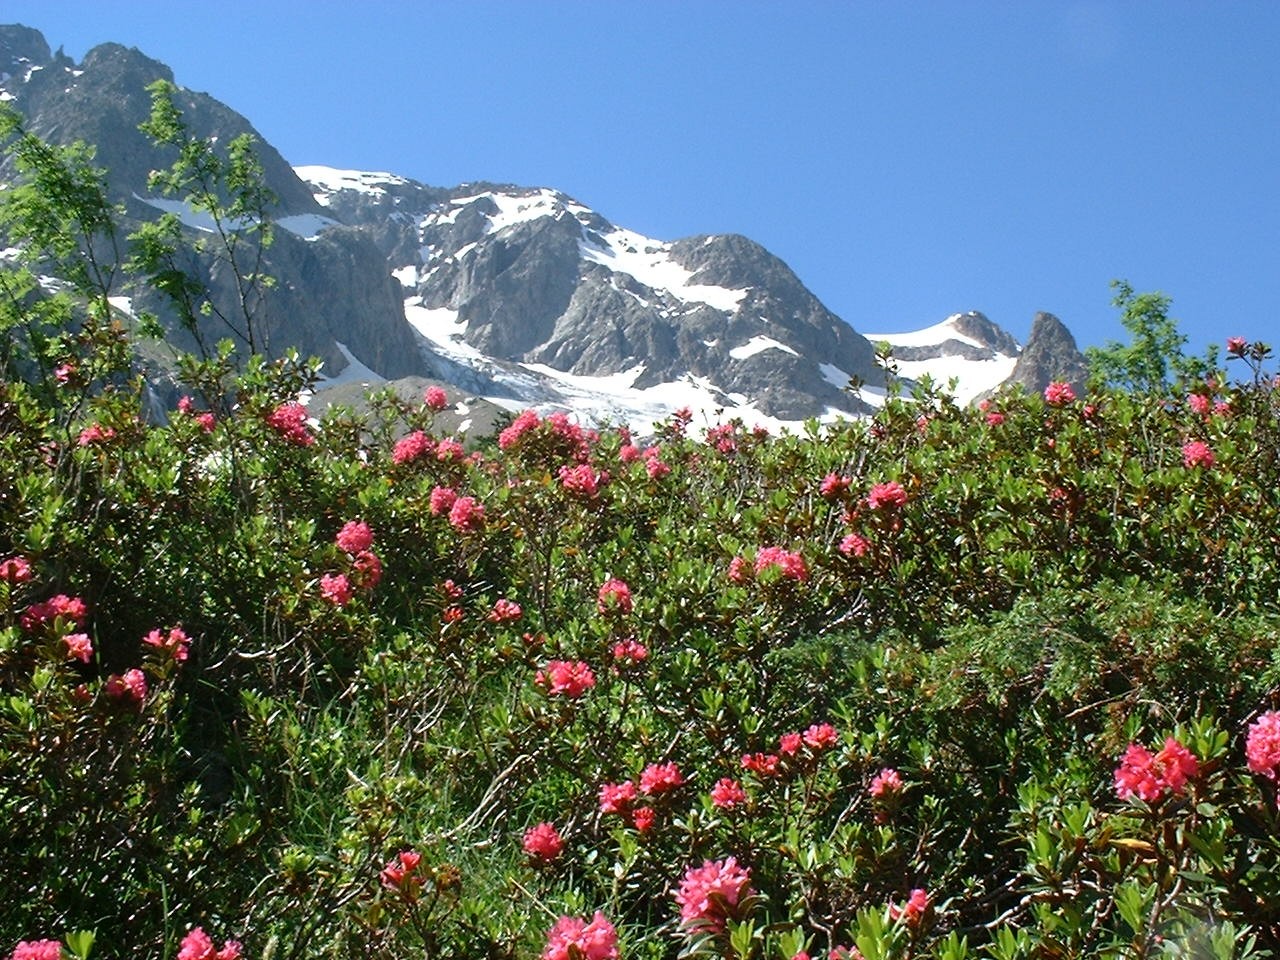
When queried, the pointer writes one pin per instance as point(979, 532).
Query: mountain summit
point(524, 296)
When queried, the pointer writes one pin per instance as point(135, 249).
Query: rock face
point(531, 276)
point(1050, 354)
point(332, 284)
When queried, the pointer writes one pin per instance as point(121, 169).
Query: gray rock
point(1050, 354)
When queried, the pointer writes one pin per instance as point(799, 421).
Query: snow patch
point(306, 225)
point(759, 344)
point(332, 180)
point(354, 372)
point(929, 336)
point(650, 262)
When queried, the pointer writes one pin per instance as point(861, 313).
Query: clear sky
point(908, 160)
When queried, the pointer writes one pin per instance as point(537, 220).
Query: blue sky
point(907, 160)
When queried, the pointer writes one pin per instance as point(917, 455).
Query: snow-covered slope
point(965, 348)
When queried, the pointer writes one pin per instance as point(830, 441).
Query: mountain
point(516, 295)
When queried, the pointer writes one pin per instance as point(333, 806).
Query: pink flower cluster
point(197, 945)
point(887, 783)
point(631, 650)
point(711, 894)
point(855, 545)
point(79, 646)
point(835, 487)
point(128, 688)
point(582, 481)
point(1149, 776)
point(789, 564)
point(337, 589)
point(727, 793)
point(1236, 346)
point(95, 433)
point(173, 643)
point(569, 678)
point(505, 611)
point(527, 420)
point(614, 598)
point(1262, 745)
point(16, 570)
point(1059, 393)
point(59, 606)
point(659, 778)
point(617, 797)
point(466, 515)
point(1197, 453)
point(543, 842)
point(289, 420)
point(37, 950)
point(885, 495)
point(573, 938)
point(412, 446)
point(435, 398)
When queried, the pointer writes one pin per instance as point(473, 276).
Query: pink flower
point(1222, 408)
point(449, 450)
point(739, 570)
point(129, 688)
point(505, 611)
point(628, 453)
point(709, 895)
point(354, 537)
point(886, 783)
point(912, 912)
point(642, 818)
point(174, 643)
point(888, 494)
point(614, 597)
point(617, 797)
point(1237, 346)
point(49, 611)
point(727, 792)
point(1058, 394)
point(994, 418)
point(15, 570)
point(526, 421)
point(289, 420)
point(543, 842)
point(1199, 404)
point(631, 650)
point(582, 481)
point(196, 945)
point(789, 744)
point(761, 764)
point(788, 563)
point(336, 588)
point(656, 469)
point(834, 486)
point(573, 938)
point(564, 677)
point(442, 500)
point(855, 545)
point(1149, 777)
point(412, 446)
point(79, 646)
point(95, 433)
point(435, 398)
point(466, 515)
point(1262, 745)
point(1196, 453)
point(658, 778)
point(820, 736)
point(37, 950)
point(400, 874)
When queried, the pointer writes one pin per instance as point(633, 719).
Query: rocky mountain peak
point(1050, 354)
point(21, 48)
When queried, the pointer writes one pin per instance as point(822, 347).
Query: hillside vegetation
point(948, 682)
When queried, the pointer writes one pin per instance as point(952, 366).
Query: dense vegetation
point(988, 682)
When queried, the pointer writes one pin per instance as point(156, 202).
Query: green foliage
point(907, 671)
point(1153, 362)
